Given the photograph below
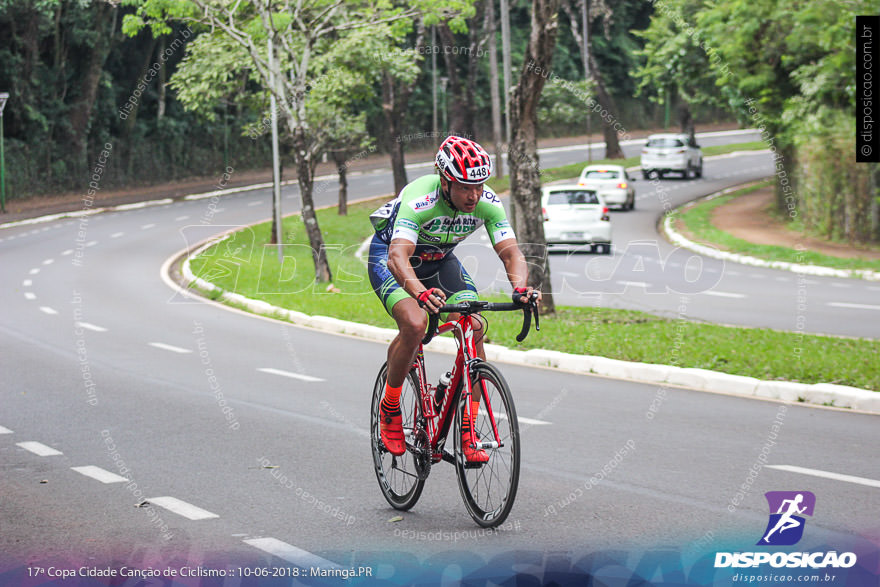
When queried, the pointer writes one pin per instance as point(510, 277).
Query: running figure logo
point(786, 526)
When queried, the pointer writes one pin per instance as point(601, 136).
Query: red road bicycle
point(488, 489)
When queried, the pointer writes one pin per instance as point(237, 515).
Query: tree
point(525, 175)
point(320, 45)
point(604, 98)
point(399, 75)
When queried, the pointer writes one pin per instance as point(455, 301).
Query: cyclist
point(412, 267)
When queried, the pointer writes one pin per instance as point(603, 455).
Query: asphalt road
point(248, 439)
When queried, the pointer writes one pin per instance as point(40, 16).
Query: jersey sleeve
point(495, 218)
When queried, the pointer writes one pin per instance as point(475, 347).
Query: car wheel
point(606, 249)
point(699, 171)
point(659, 175)
point(632, 204)
point(646, 174)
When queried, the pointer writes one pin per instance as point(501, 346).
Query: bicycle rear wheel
point(489, 489)
point(398, 477)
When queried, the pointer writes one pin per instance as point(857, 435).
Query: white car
point(665, 153)
point(575, 215)
point(613, 184)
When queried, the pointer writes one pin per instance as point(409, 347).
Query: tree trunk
point(80, 116)
point(342, 170)
point(393, 115)
point(606, 102)
point(395, 103)
point(160, 108)
point(525, 178)
point(612, 144)
point(493, 82)
point(455, 107)
point(305, 178)
point(686, 121)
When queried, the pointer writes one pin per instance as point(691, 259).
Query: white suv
point(671, 152)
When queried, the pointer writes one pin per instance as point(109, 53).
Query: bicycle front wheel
point(489, 489)
point(398, 477)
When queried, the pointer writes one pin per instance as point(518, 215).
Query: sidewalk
point(44, 205)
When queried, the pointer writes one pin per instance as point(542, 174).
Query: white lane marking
point(5, 430)
point(724, 294)
point(853, 306)
point(100, 474)
point(91, 243)
point(34, 271)
point(182, 508)
point(290, 553)
point(254, 204)
point(27, 283)
point(826, 475)
point(168, 347)
point(117, 234)
point(289, 374)
point(635, 283)
point(66, 252)
point(181, 218)
point(30, 295)
point(38, 448)
point(148, 226)
point(570, 274)
point(840, 285)
point(90, 326)
point(48, 310)
point(48, 261)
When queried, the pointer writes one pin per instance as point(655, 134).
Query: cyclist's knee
point(412, 322)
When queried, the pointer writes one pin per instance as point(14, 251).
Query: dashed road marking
point(634, 283)
point(27, 283)
point(181, 218)
point(91, 243)
point(117, 234)
point(100, 474)
point(291, 553)
point(148, 226)
point(5, 430)
point(30, 295)
point(254, 204)
point(48, 310)
point(90, 326)
point(724, 294)
point(826, 475)
point(34, 271)
point(854, 306)
point(840, 285)
point(66, 252)
point(182, 508)
point(38, 448)
point(48, 261)
point(168, 347)
point(272, 371)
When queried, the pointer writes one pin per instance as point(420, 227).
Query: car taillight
point(682, 151)
point(544, 212)
point(605, 210)
point(622, 185)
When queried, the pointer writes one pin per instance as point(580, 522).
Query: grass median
point(247, 265)
point(697, 220)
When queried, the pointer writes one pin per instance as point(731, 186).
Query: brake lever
point(533, 304)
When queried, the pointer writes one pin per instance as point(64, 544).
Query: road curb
point(678, 239)
point(820, 394)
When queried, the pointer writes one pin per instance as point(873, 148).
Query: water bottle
point(440, 390)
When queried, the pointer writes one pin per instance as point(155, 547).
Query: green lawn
point(697, 220)
point(245, 264)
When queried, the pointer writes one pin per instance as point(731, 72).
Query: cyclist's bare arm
point(515, 265)
point(399, 252)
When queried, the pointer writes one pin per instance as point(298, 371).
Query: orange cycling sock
point(391, 401)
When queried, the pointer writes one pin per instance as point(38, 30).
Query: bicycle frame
point(438, 422)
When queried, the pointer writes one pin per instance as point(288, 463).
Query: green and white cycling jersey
point(421, 215)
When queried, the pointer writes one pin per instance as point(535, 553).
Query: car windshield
point(665, 143)
point(573, 197)
point(602, 174)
